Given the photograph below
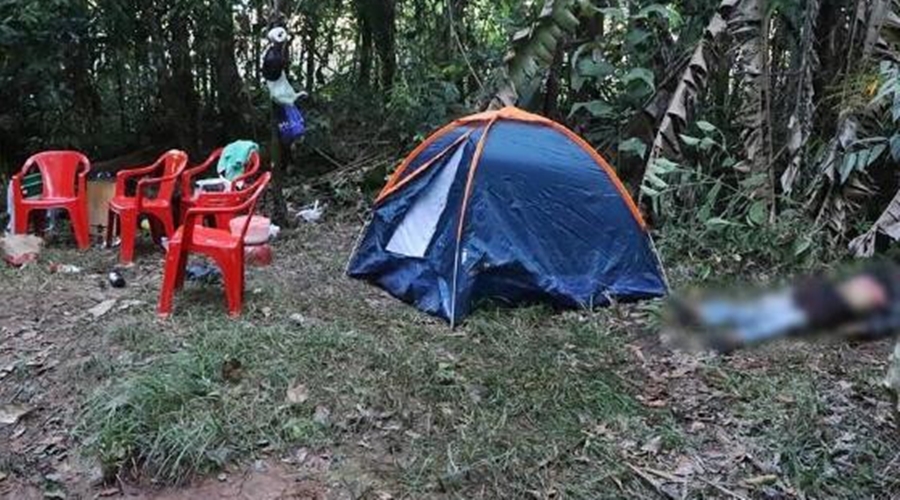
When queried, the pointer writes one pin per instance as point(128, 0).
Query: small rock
point(298, 394)
point(222, 477)
point(3, 476)
point(322, 416)
point(298, 319)
point(259, 466)
point(10, 414)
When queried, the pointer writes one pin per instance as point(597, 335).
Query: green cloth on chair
point(234, 157)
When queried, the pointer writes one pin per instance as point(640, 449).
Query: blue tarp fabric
point(543, 221)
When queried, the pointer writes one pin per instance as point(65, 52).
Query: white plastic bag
point(282, 92)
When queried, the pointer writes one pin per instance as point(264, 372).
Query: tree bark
point(280, 154)
point(312, 38)
point(385, 42)
point(365, 43)
point(180, 95)
point(230, 89)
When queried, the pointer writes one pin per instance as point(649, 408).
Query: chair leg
point(182, 270)
point(128, 230)
point(156, 230)
point(168, 221)
point(80, 225)
point(20, 224)
point(173, 267)
point(111, 219)
point(233, 280)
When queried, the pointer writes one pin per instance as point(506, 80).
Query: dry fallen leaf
point(785, 398)
point(232, 370)
point(652, 447)
point(684, 467)
point(10, 414)
point(298, 394)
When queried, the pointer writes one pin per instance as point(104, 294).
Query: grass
point(515, 404)
point(489, 405)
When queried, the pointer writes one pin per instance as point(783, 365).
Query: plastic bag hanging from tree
point(291, 125)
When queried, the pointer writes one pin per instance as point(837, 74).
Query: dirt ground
point(789, 421)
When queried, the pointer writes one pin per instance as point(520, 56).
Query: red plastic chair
point(219, 244)
point(126, 209)
point(188, 197)
point(64, 179)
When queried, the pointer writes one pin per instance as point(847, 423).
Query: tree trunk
point(180, 96)
point(553, 86)
point(280, 154)
point(365, 43)
point(229, 85)
point(385, 42)
point(312, 38)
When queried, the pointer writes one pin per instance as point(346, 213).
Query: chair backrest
point(233, 199)
point(59, 172)
point(173, 163)
point(254, 191)
point(251, 168)
point(242, 202)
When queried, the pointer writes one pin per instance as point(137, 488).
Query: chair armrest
point(18, 178)
point(143, 183)
point(188, 176)
point(134, 172)
point(158, 180)
point(82, 179)
point(16, 184)
point(123, 176)
point(25, 168)
point(252, 169)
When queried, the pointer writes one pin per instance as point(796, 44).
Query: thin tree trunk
point(180, 95)
point(230, 87)
point(280, 154)
point(365, 43)
point(385, 42)
point(312, 38)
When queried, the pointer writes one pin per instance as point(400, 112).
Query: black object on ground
point(116, 280)
point(203, 272)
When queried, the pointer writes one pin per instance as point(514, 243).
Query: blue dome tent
point(512, 207)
